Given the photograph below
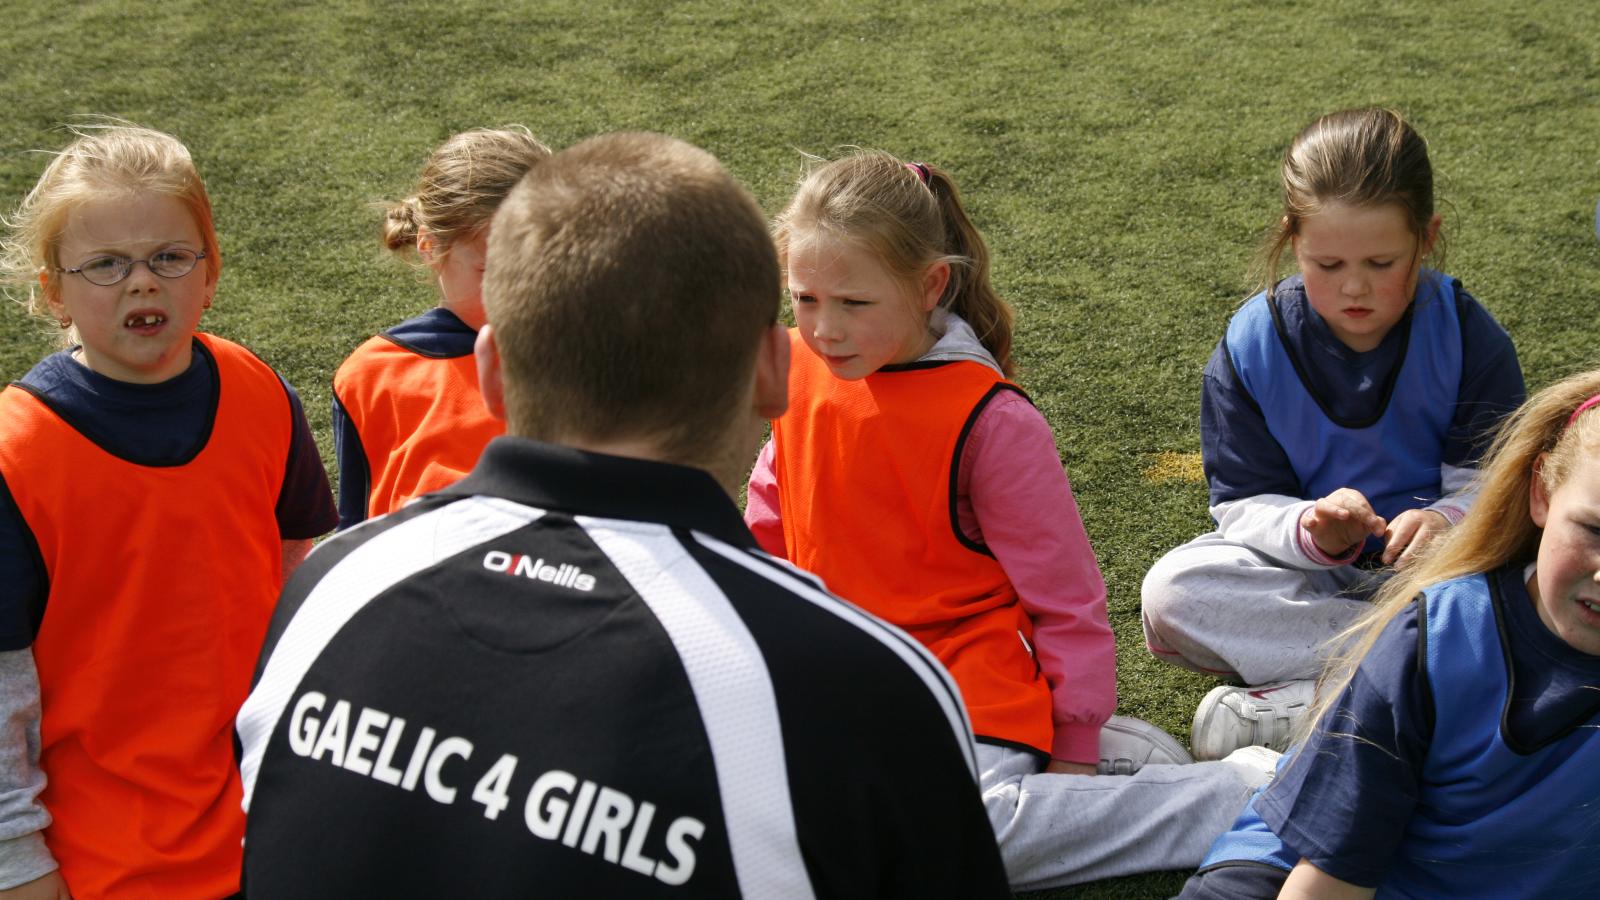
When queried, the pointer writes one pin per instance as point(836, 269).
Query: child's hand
point(1341, 520)
point(1409, 533)
point(1062, 767)
point(45, 887)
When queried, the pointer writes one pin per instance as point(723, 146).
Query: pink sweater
point(1013, 496)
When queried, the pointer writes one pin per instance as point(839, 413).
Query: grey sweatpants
point(1219, 607)
point(1056, 830)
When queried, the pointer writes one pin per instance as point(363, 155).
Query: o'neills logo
point(562, 575)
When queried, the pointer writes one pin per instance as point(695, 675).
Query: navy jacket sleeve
point(305, 502)
point(1241, 457)
point(23, 574)
point(1491, 383)
point(355, 477)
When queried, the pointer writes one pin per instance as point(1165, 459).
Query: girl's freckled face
point(1360, 266)
point(1566, 582)
point(851, 311)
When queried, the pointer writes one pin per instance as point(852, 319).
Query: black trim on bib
point(1429, 711)
point(919, 365)
point(1035, 752)
point(955, 461)
point(1388, 384)
point(1241, 863)
point(1497, 602)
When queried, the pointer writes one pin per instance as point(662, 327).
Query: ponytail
point(969, 294)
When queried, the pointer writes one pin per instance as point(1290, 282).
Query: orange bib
point(867, 494)
point(161, 583)
point(421, 419)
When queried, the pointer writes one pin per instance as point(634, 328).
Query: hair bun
point(400, 224)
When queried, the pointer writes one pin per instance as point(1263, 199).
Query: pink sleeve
point(1023, 509)
point(761, 505)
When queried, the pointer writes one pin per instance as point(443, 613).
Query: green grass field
point(1120, 157)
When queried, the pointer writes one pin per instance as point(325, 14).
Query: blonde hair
point(1498, 530)
point(629, 281)
point(461, 185)
point(909, 216)
point(111, 159)
point(1359, 157)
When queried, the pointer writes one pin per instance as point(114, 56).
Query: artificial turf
point(1120, 157)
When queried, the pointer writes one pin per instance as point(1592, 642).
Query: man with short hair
point(574, 673)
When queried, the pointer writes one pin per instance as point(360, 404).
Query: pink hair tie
point(1587, 404)
point(921, 170)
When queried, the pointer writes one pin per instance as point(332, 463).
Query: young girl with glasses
point(919, 482)
point(1454, 749)
point(156, 486)
point(406, 412)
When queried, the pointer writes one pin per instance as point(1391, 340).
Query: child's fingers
point(1398, 538)
point(1420, 527)
point(1332, 507)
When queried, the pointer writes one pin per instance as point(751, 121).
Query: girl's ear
point(52, 297)
point(934, 280)
point(1432, 235)
point(1538, 498)
point(425, 245)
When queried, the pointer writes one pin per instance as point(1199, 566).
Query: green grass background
point(1120, 157)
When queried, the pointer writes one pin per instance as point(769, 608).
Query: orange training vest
point(162, 580)
point(421, 419)
point(866, 491)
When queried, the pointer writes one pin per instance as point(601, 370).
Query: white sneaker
point(1255, 764)
point(1233, 717)
point(1128, 745)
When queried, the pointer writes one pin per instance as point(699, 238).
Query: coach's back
point(574, 674)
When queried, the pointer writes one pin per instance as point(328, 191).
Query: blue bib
point(1493, 820)
point(1392, 459)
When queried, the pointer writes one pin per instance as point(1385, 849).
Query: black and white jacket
point(575, 675)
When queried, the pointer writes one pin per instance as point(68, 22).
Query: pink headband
point(921, 170)
point(1587, 404)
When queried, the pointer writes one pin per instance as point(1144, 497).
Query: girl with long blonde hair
point(1452, 750)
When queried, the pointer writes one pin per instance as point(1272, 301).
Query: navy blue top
point(1345, 801)
point(437, 333)
point(1242, 459)
point(148, 424)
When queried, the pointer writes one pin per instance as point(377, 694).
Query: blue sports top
point(1464, 766)
point(1243, 451)
point(1392, 456)
point(150, 424)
